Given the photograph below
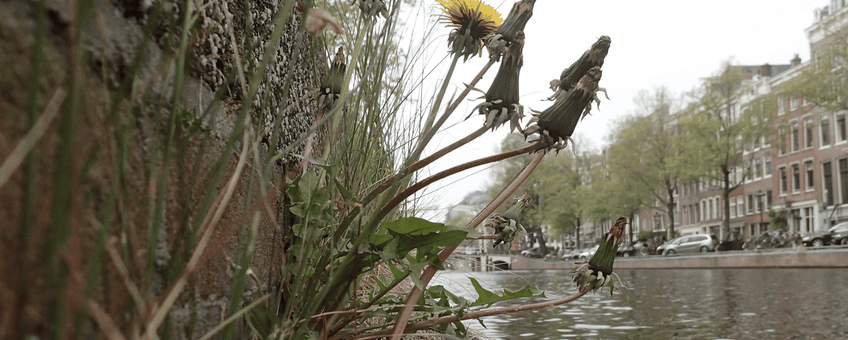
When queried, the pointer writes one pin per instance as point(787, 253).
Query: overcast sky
point(654, 43)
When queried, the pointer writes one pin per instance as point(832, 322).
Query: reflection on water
point(675, 304)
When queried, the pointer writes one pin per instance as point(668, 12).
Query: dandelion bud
point(508, 225)
point(516, 19)
point(594, 56)
point(557, 123)
point(503, 96)
point(373, 7)
point(605, 256)
point(331, 85)
point(598, 272)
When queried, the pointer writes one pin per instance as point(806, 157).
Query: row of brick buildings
point(800, 178)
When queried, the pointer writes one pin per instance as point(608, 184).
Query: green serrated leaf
point(317, 161)
point(346, 194)
point(460, 330)
point(415, 270)
point(380, 240)
point(308, 183)
point(442, 239)
point(435, 263)
point(413, 226)
point(389, 252)
point(262, 321)
point(396, 272)
point(485, 297)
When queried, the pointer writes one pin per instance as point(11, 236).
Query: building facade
point(798, 177)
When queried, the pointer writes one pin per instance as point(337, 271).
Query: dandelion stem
point(429, 135)
point(459, 168)
point(415, 293)
point(491, 312)
point(428, 125)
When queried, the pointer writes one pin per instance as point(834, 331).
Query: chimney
point(795, 61)
point(765, 70)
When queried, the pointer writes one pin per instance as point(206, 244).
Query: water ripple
point(809, 303)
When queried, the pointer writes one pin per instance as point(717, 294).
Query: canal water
point(808, 303)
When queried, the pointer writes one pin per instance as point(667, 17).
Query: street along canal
point(766, 303)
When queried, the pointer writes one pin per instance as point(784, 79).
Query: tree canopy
point(719, 129)
point(645, 155)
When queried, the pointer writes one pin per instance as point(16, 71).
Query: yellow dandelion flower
point(471, 19)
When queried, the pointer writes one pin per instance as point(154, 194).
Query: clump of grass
point(152, 195)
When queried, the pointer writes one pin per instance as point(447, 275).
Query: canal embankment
point(778, 258)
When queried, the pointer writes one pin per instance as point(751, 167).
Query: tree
point(614, 194)
point(822, 83)
point(557, 186)
point(719, 128)
point(645, 149)
point(563, 186)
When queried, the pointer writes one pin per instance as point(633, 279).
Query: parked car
point(689, 244)
point(839, 236)
point(660, 249)
point(769, 239)
point(733, 241)
point(648, 245)
point(573, 254)
point(554, 254)
point(588, 253)
point(532, 252)
point(823, 238)
point(626, 249)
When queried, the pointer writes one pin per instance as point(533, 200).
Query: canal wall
point(788, 258)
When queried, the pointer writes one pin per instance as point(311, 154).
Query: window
point(758, 168)
point(781, 105)
point(843, 179)
point(794, 135)
point(710, 207)
point(740, 206)
point(782, 172)
point(827, 178)
point(808, 170)
point(750, 204)
point(732, 207)
point(808, 219)
point(840, 127)
point(781, 139)
point(824, 130)
point(769, 199)
point(794, 103)
point(796, 178)
point(749, 170)
point(718, 209)
point(703, 210)
point(767, 160)
point(808, 132)
point(698, 212)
